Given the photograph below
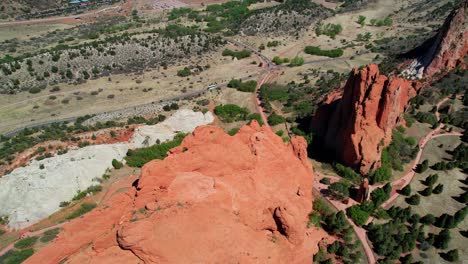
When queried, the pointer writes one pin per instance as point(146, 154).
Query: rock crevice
point(358, 125)
point(211, 199)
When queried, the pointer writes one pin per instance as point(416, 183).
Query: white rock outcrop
point(182, 121)
point(29, 194)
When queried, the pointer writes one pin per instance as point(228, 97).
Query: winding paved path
point(397, 184)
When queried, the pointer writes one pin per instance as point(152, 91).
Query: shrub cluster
point(139, 157)
point(249, 86)
point(84, 208)
point(231, 112)
point(329, 29)
point(237, 54)
point(275, 119)
point(333, 53)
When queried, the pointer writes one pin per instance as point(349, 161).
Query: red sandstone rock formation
point(359, 125)
point(215, 199)
point(452, 48)
point(447, 49)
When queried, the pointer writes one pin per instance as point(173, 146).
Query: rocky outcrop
point(357, 126)
point(182, 121)
point(446, 50)
point(40, 186)
point(214, 199)
point(31, 193)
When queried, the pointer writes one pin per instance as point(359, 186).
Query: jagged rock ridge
point(357, 126)
point(446, 50)
point(214, 199)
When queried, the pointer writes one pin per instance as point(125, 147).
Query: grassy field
point(438, 204)
point(29, 31)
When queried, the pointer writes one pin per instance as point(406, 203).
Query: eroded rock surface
point(184, 121)
point(448, 48)
point(31, 193)
point(357, 126)
point(214, 199)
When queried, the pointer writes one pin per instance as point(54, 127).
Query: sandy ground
point(29, 31)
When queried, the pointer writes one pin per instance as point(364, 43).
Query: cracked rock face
point(214, 199)
point(358, 126)
point(184, 121)
point(449, 48)
point(29, 194)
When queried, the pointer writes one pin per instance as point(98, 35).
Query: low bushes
point(273, 92)
point(413, 199)
point(296, 61)
point(26, 242)
point(233, 131)
point(333, 53)
point(278, 61)
point(117, 164)
point(330, 30)
point(91, 190)
point(358, 215)
point(249, 86)
point(400, 151)
point(139, 157)
point(84, 208)
point(275, 119)
point(184, 72)
point(35, 90)
point(347, 173)
point(273, 43)
point(237, 54)
point(16, 256)
point(49, 235)
point(231, 112)
point(387, 22)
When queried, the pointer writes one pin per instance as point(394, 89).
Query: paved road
point(269, 66)
point(163, 101)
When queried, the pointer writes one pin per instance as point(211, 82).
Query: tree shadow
point(316, 150)
point(446, 257)
point(464, 233)
point(465, 181)
point(459, 199)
